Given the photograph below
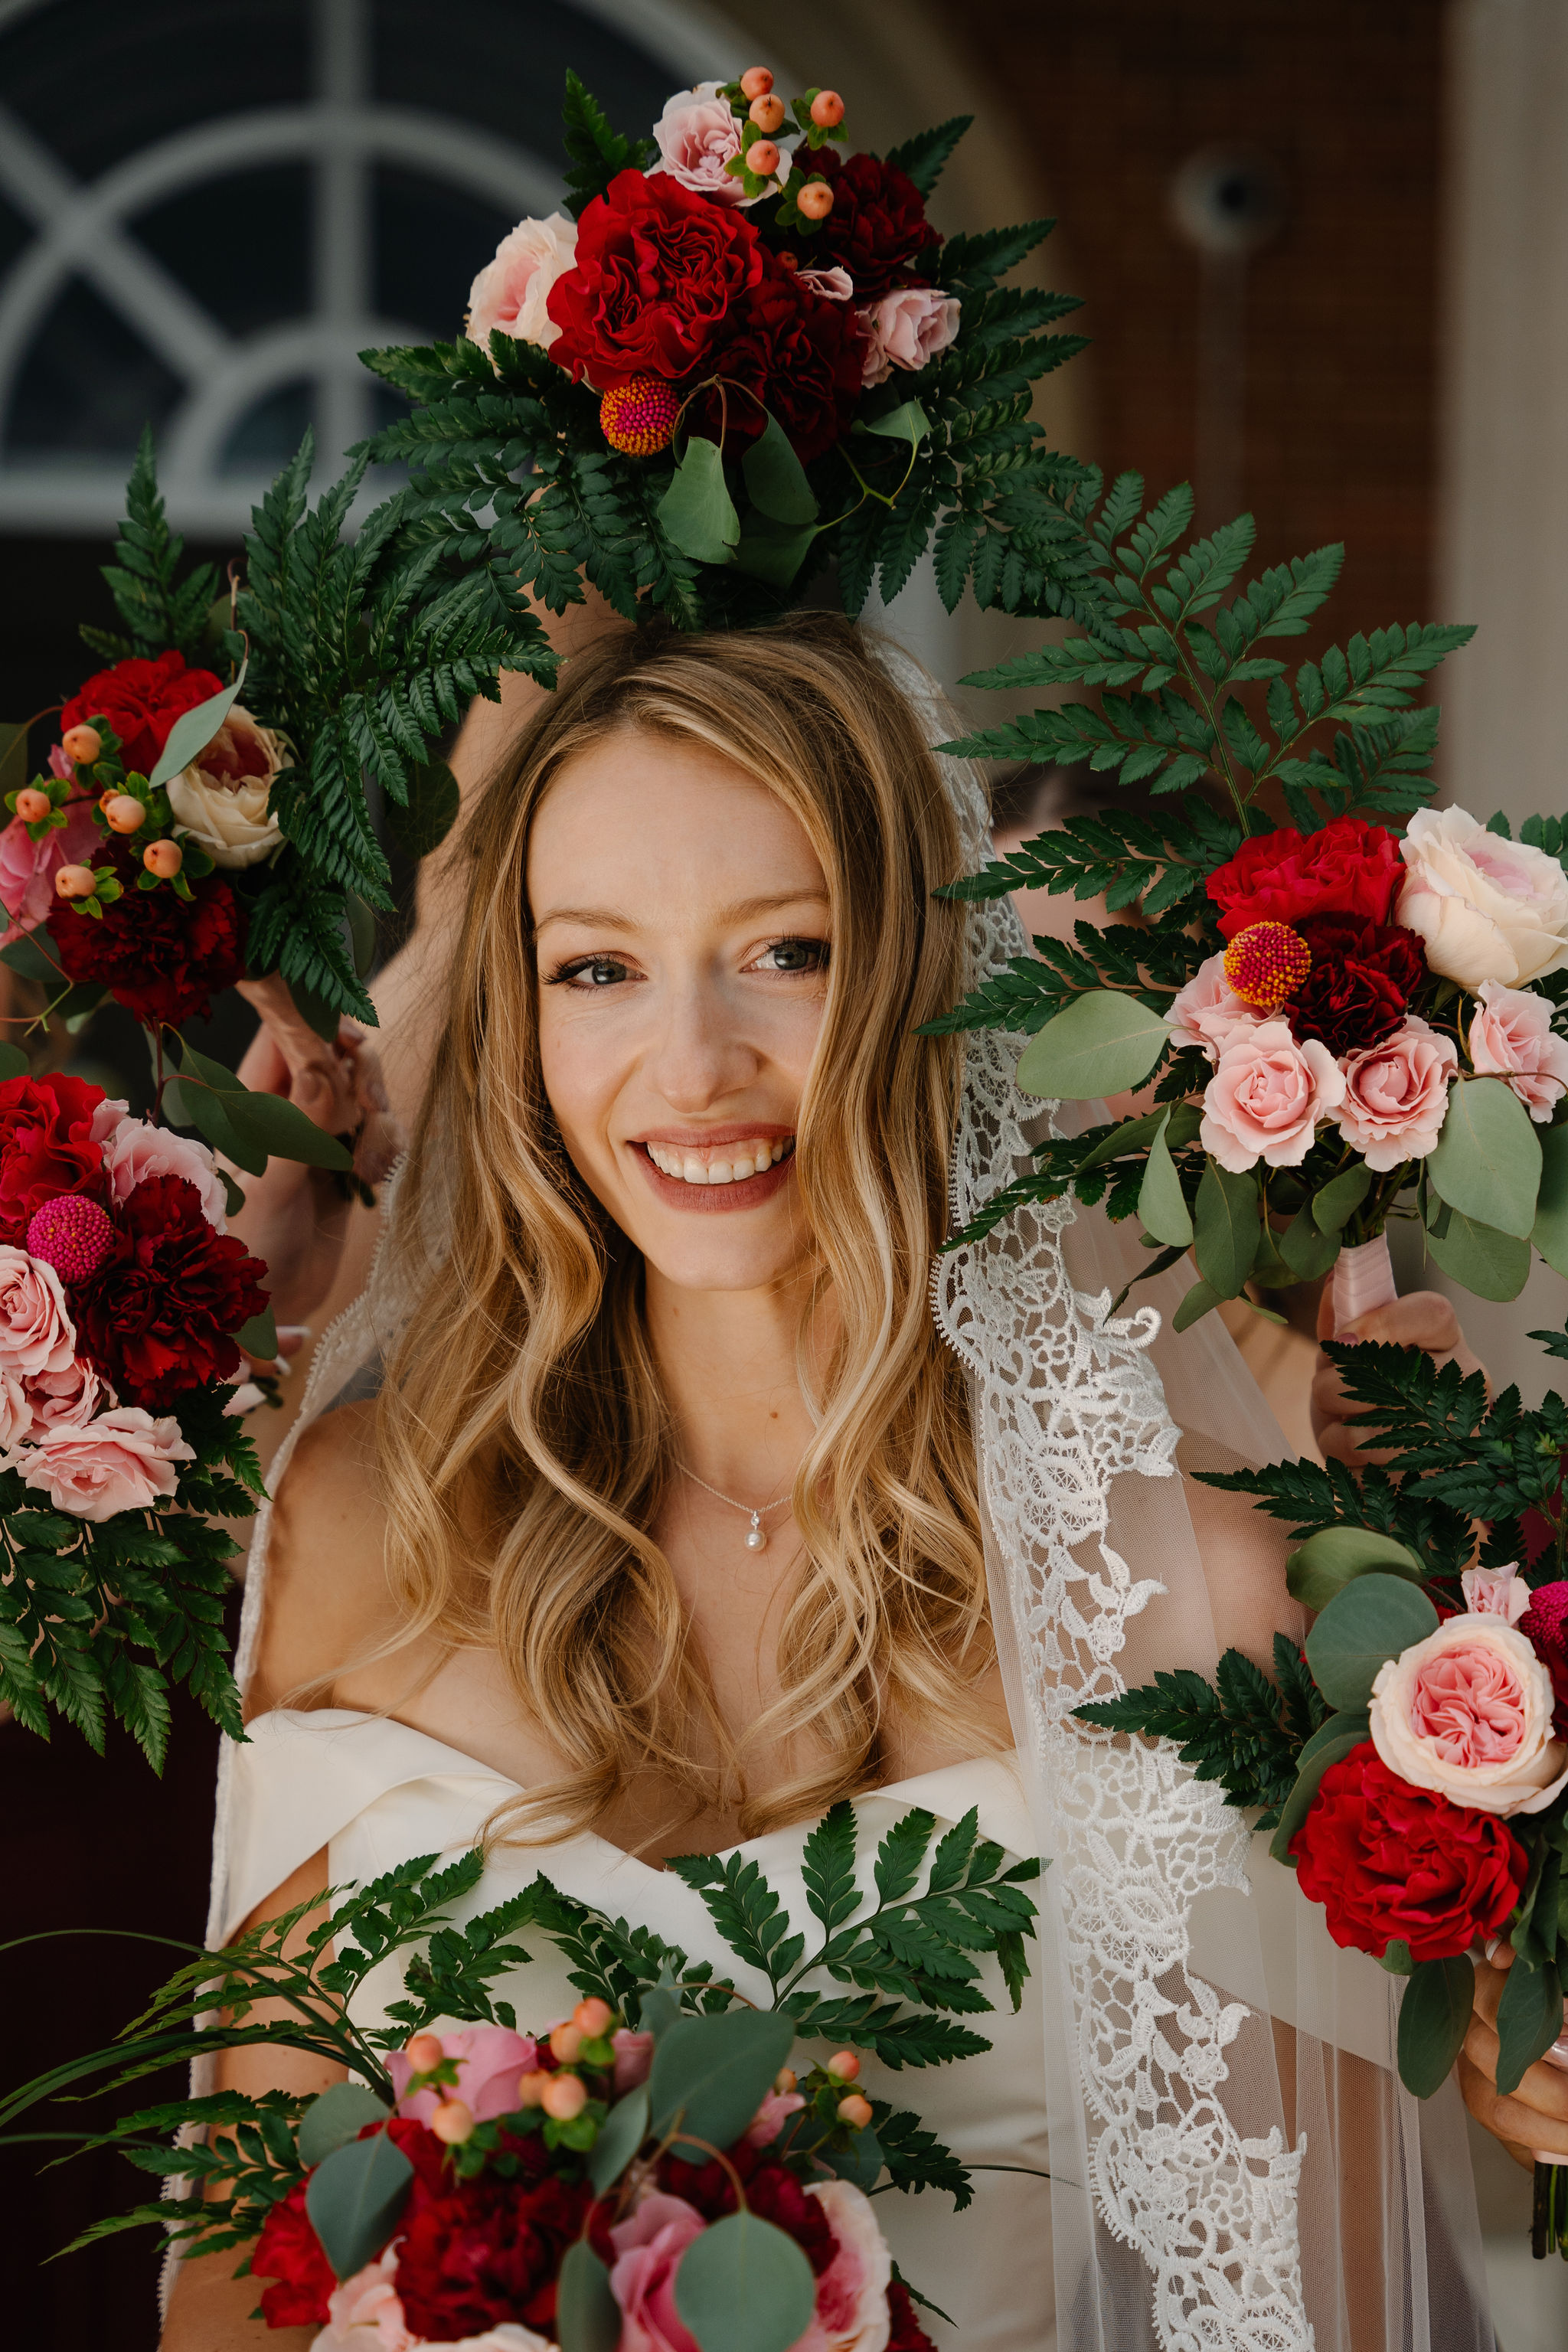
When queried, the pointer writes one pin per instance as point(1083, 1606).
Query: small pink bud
point(32, 806)
point(827, 109)
point(566, 2039)
point(762, 158)
point(756, 82)
point(595, 2017)
point(530, 2087)
point(125, 813)
point(423, 2052)
point(844, 2066)
point(74, 882)
point(855, 2111)
point(163, 858)
point(81, 744)
point(815, 201)
point(453, 2122)
point(768, 112)
point(565, 2097)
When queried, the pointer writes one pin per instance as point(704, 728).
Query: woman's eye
point(592, 972)
point(794, 955)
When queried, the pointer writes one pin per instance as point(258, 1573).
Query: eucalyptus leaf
point(353, 2198)
point(338, 2115)
point(1490, 1264)
point(1332, 1558)
point(776, 479)
point(1328, 1744)
point(1305, 1248)
point(1227, 1224)
point(193, 729)
point(744, 2286)
point(711, 2073)
point(1487, 1160)
point(908, 422)
point(861, 2162)
point(260, 1336)
point(280, 1131)
point(697, 510)
point(1335, 1203)
point(1550, 1231)
point(1161, 1202)
point(661, 2007)
point(1434, 2018)
point(587, 2317)
point(1394, 1958)
point(13, 1062)
point(1372, 1619)
point(1130, 1136)
point(26, 956)
point(1528, 2020)
point(774, 551)
point(1199, 1301)
point(1100, 1043)
point(626, 2128)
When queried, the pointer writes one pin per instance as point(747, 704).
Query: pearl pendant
point(756, 1540)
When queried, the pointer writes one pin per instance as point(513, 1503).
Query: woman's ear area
point(326, 1579)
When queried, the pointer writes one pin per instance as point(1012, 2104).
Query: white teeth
point(746, 1160)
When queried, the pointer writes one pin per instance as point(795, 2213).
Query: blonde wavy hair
point(523, 1436)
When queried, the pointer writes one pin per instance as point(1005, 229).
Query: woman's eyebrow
point(610, 919)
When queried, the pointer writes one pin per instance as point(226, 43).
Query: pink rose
point(1511, 1037)
point(510, 292)
point(852, 2292)
point(136, 1151)
point(490, 2059)
point(106, 1119)
point(15, 1414)
point(1485, 908)
point(649, 2250)
point(1266, 1097)
point(123, 1460)
point(1468, 1712)
point(36, 1334)
point(1208, 1012)
point(1496, 1592)
point(696, 134)
point(772, 2117)
point(1396, 1095)
point(67, 1398)
point(28, 868)
point(834, 284)
point(907, 328)
point(634, 2056)
point(366, 2315)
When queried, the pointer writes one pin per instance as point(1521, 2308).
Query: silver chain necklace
point(756, 1535)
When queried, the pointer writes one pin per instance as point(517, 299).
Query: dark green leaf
point(1226, 1227)
point(1330, 1560)
point(624, 2132)
point(1335, 1203)
point(1490, 1264)
point(776, 479)
point(711, 2073)
point(1434, 2018)
point(355, 2198)
point(1331, 1742)
point(1528, 2021)
point(260, 1336)
point(696, 511)
point(1103, 1043)
point(338, 2115)
point(587, 2317)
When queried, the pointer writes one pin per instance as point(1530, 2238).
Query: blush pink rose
point(136, 1151)
point(366, 2314)
point(696, 134)
point(1496, 1592)
point(906, 328)
point(106, 1119)
point(28, 868)
point(1208, 1012)
point(1468, 1712)
point(1511, 1037)
point(633, 2057)
point(1396, 1095)
point(123, 1460)
point(1266, 1097)
point(512, 291)
point(67, 1398)
point(15, 1414)
point(649, 2249)
point(852, 2313)
point(36, 1334)
point(490, 2059)
point(834, 284)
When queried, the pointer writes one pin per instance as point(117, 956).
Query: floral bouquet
point(694, 2180)
point(1357, 1014)
point(126, 1313)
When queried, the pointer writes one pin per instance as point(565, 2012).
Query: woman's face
point(681, 938)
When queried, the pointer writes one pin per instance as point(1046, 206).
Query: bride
point(653, 1511)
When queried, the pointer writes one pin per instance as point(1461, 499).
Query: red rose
point(157, 1315)
point(1363, 979)
point(1351, 867)
point(140, 700)
point(908, 2335)
point(801, 355)
point(485, 2251)
point(288, 2251)
point(656, 273)
point(1390, 1863)
point(161, 957)
point(877, 229)
point(46, 1148)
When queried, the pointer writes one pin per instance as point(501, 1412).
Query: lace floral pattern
point(1067, 1401)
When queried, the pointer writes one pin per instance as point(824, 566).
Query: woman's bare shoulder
point(327, 1598)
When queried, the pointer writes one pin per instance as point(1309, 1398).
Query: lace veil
point(1234, 2165)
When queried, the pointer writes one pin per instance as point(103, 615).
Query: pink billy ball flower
point(1266, 964)
point(637, 418)
point(71, 1234)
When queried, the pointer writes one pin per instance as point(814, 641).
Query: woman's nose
point(700, 1054)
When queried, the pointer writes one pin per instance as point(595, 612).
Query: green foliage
point(158, 609)
point(1242, 1730)
point(596, 152)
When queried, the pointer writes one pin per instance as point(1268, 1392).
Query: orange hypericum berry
point(594, 2017)
point(566, 2039)
point(784, 2081)
point(637, 418)
point(423, 2052)
point(565, 2097)
point(74, 882)
point(844, 2066)
point(81, 744)
point(762, 158)
point(163, 858)
point(815, 201)
point(530, 2087)
point(855, 2111)
point(756, 82)
point(1266, 964)
point(827, 109)
point(32, 806)
point(453, 2122)
point(125, 812)
point(768, 112)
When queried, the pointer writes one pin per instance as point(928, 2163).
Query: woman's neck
point(728, 1359)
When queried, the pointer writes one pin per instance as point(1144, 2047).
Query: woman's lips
point(734, 1191)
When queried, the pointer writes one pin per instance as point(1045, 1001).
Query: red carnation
point(1544, 1625)
point(157, 1315)
point(486, 2251)
point(908, 2335)
point(877, 229)
point(161, 957)
point(1391, 1863)
point(289, 2252)
point(1350, 867)
point(1363, 978)
point(140, 700)
point(799, 354)
point(658, 272)
point(46, 1148)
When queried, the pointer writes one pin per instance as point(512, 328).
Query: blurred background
point(1322, 250)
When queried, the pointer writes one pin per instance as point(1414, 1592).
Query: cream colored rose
point(512, 291)
point(223, 798)
point(1485, 908)
point(1468, 1712)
